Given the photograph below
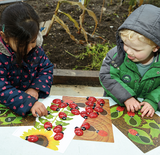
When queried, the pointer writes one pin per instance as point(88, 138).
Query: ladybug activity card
point(100, 126)
point(10, 118)
point(143, 132)
point(54, 131)
point(68, 118)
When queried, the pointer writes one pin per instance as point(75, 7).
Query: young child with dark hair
point(26, 73)
point(131, 70)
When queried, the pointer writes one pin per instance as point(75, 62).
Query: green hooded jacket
point(119, 76)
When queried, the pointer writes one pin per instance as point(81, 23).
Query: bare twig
point(102, 11)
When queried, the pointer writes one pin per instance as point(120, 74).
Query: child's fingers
point(150, 113)
point(137, 107)
point(34, 113)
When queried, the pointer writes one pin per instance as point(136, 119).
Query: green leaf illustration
point(49, 116)
point(115, 114)
point(67, 119)
point(69, 113)
point(68, 108)
point(153, 126)
point(142, 137)
point(11, 119)
point(38, 126)
point(133, 121)
point(62, 123)
point(42, 120)
point(3, 111)
point(2, 106)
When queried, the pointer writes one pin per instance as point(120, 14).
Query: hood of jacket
point(4, 50)
point(144, 20)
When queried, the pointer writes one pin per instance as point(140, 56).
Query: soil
point(57, 42)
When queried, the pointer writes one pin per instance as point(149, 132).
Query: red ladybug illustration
point(78, 131)
point(54, 107)
point(73, 105)
point(62, 105)
point(89, 103)
point(93, 115)
point(119, 108)
point(130, 113)
point(48, 126)
point(85, 126)
point(89, 109)
point(58, 128)
point(133, 132)
point(102, 133)
point(98, 109)
point(57, 101)
point(101, 102)
point(62, 115)
point(32, 138)
point(84, 114)
point(75, 111)
point(58, 136)
point(91, 98)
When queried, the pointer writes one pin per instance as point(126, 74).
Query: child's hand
point(39, 108)
point(147, 109)
point(132, 104)
point(32, 92)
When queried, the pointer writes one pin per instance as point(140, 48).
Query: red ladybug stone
point(48, 125)
point(98, 109)
point(75, 111)
point(54, 107)
point(62, 115)
point(101, 102)
point(93, 115)
point(73, 105)
point(32, 138)
point(91, 98)
point(78, 131)
point(85, 126)
point(58, 136)
point(84, 114)
point(57, 129)
point(119, 108)
point(62, 105)
point(89, 103)
point(57, 101)
point(89, 109)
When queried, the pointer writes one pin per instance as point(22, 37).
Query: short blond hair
point(130, 33)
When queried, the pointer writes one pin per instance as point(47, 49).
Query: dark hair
point(21, 23)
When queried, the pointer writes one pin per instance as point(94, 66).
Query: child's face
point(138, 51)
point(31, 45)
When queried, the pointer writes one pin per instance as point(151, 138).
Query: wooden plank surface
point(65, 76)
